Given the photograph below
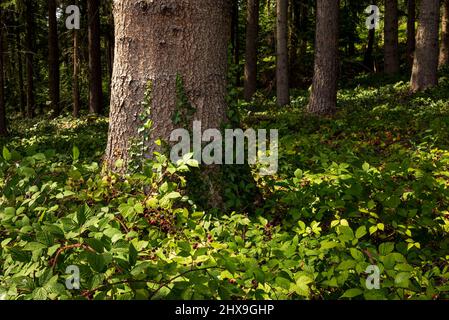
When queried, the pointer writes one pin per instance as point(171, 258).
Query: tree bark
point(425, 65)
point(444, 49)
point(30, 47)
point(95, 84)
point(391, 37)
point(323, 98)
point(159, 41)
point(20, 74)
point(3, 130)
point(53, 57)
point(368, 60)
point(282, 87)
point(411, 32)
point(75, 85)
point(252, 30)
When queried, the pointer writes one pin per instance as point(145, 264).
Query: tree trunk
point(235, 39)
point(444, 50)
point(368, 60)
point(75, 86)
point(95, 85)
point(3, 130)
point(30, 47)
point(411, 32)
point(391, 37)
point(323, 98)
point(252, 26)
point(20, 74)
point(425, 65)
point(282, 86)
point(158, 42)
point(53, 57)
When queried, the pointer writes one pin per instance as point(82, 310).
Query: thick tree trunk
point(75, 85)
point(156, 42)
point(425, 65)
point(3, 130)
point(391, 37)
point(53, 57)
point(282, 85)
point(95, 85)
point(411, 32)
point(252, 29)
point(444, 49)
point(323, 98)
point(30, 39)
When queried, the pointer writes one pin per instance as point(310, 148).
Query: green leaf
point(6, 154)
point(75, 153)
point(132, 255)
point(351, 293)
point(361, 232)
point(402, 279)
point(96, 261)
point(386, 248)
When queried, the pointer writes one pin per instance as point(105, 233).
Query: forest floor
point(368, 186)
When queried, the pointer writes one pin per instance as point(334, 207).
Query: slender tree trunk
point(75, 86)
point(20, 74)
point(235, 38)
point(411, 32)
point(391, 37)
point(3, 130)
point(53, 57)
point(95, 84)
point(425, 65)
point(368, 60)
point(444, 49)
point(30, 47)
point(323, 98)
point(252, 29)
point(282, 87)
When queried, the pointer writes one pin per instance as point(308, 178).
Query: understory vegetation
point(368, 186)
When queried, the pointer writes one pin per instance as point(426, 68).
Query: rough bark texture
point(20, 75)
point(425, 65)
point(391, 46)
point(235, 38)
point(95, 85)
point(444, 49)
point(30, 47)
point(411, 32)
point(282, 85)
point(156, 41)
point(53, 57)
point(252, 28)
point(323, 98)
point(75, 85)
point(3, 130)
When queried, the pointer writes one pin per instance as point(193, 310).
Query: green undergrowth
point(368, 186)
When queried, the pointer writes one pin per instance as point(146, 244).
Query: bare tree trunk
point(20, 74)
point(425, 65)
point(444, 49)
point(391, 37)
point(53, 57)
point(30, 47)
point(252, 29)
point(368, 60)
point(323, 98)
point(75, 86)
point(235, 38)
point(95, 85)
point(411, 32)
point(3, 130)
point(282, 87)
point(158, 42)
